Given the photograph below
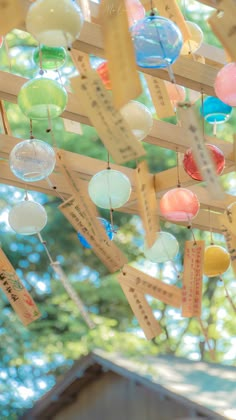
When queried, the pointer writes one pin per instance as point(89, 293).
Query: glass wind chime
point(158, 43)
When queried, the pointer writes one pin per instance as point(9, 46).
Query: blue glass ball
point(157, 41)
point(108, 228)
point(215, 111)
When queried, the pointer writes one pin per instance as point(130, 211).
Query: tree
point(32, 358)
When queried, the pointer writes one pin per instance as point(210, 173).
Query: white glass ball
point(195, 41)
point(55, 23)
point(27, 218)
point(165, 248)
point(109, 189)
point(32, 160)
point(138, 117)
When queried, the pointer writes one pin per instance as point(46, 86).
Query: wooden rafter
point(189, 73)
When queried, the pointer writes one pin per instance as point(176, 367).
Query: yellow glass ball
point(216, 260)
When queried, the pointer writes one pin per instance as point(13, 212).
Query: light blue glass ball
point(108, 228)
point(164, 249)
point(215, 111)
point(109, 189)
point(157, 41)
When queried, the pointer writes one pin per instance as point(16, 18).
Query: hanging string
point(60, 77)
point(5, 122)
point(205, 333)
point(214, 129)
point(203, 120)
point(152, 9)
point(8, 54)
point(169, 68)
point(177, 167)
point(45, 247)
point(68, 287)
point(108, 161)
point(50, 130)
point(26, 198)
point(54, 188)
point(41, 72)
point(192, 232)
point(31, 130)
point(227, 295)
point(210, 226)
point(111, 209)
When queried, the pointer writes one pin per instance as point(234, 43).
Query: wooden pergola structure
point(190, 73)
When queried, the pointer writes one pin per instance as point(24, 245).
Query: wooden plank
point(11, 15)
point(84, 167)
point(217, 4)
point(192, 278)
point(119, 51)
point(142, 311)
point(162, 134)
point(202, 156)
point(111, 127)
point(223, 25)
point(147, 202)
point(194, 75)
point(18, 296)
point(213, 55)
point(172, 11)
point(6, 177)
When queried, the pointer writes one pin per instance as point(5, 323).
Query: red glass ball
point(1, 41)
point(179, 205)
point(190, 165)
point(104, 74)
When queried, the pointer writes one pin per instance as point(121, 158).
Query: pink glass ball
point(225, 84)
point(1, 41)
point(176, 93)
point(190, 165)
point(179, 205)
point(135, 11)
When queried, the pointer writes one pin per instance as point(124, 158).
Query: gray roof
point(207, 388)
point(211, 385)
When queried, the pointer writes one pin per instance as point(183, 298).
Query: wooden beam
point(212, 54)
point(83, 168)
point(163, 134)
point(188, 73)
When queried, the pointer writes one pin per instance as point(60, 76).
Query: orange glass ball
point(102, 70)
point(179, 205)
point(190, 165)
point(176, 93)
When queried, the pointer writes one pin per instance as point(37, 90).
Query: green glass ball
point(42, 98)
point(52, 58)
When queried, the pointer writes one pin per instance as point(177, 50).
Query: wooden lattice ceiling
point(190, 73)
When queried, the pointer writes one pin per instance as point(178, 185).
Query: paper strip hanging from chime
point(192, 278)
point(16, 293)
point(119, 52)
point(111, 127)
